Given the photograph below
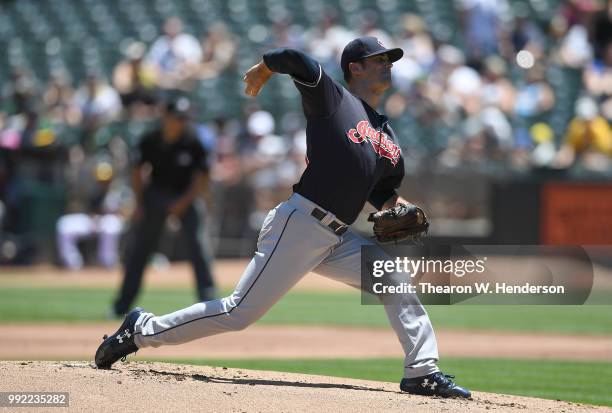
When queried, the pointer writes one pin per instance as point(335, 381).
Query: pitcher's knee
point(240, 315)
point(241, 320)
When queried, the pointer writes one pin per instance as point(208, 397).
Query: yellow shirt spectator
point(595, 135)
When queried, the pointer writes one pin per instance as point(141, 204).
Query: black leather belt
point(335, 226)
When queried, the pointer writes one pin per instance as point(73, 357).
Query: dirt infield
point(48, 342)
point(165, 387)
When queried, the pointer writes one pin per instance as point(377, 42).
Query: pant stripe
point(241, 299)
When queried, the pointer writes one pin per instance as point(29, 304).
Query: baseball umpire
point(353, 158)
point(178, 174)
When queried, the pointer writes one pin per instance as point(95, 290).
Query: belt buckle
point(340, 228)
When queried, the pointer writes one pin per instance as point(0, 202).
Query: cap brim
point(394, 54)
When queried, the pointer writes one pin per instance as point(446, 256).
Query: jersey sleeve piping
point(313, 84)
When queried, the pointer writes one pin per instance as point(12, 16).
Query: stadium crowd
point(508, 93)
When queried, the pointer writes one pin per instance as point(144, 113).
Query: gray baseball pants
point(292, 243)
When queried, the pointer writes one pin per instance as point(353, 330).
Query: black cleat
point(435, 384)
point(119, 344)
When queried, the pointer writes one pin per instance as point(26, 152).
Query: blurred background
point(502, 109)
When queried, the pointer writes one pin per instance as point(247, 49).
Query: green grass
point(20, 304)
point(581, 382)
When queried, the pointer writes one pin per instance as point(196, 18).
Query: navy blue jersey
point(352, 153)
point(173, 165)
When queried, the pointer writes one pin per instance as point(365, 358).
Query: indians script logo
point(380, 141)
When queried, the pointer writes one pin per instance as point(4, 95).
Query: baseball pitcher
point(353, 158)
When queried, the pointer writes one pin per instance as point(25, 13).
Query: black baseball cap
point(180, 107)
point(366, 47)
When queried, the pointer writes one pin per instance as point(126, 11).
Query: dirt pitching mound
point(167, 387)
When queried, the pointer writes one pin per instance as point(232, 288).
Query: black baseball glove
point(401, 222)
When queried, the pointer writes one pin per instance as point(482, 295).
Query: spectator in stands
point(98, 102)
point(602, 28)
point(28, 129)
point(261, 143)
point(588, 138)
point(575, 49)
point(234, 197)
point(534, 98)
point(34, 134)
point(327, 39)
point(419, 53)
point(261, 156)
point(295, 163)
point(545, 150)
point(18, 92)
point(448, 58)
point(572, 25)
point(58, 98)
point(464, 89)
point(497, 89)
point(572, 11)
point(284, 34)
point(10, 130)
point(598, 81)
point(525, 34)
point(498, 132)
point(219, 47)
point(370, 26)
point(176, 55)
point(482, 21)
point(134, 79)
